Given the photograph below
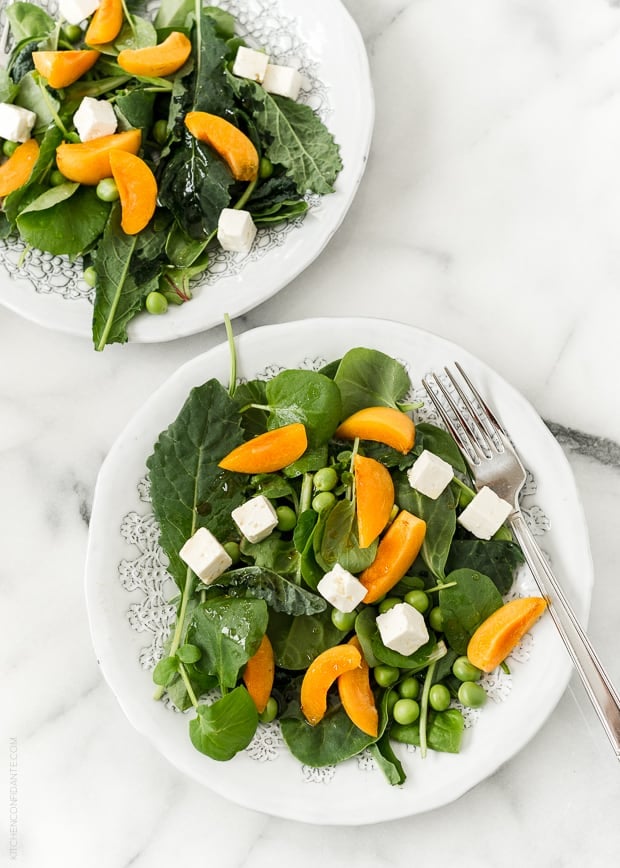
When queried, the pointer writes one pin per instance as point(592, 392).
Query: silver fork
point(495, 463)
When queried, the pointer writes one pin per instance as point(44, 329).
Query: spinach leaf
point(370, 378)
point(135, 33)
point(297, 640)
point(63, 220)
point(420, 659)
point(444, 731)
point(272, 485)
point(365, 629)
point(385, 758)
point(37, 99)
point(307, 397)
point(440, 518)
point(273, 553)
point(297, 138)
point(225, 727)
point(136, 109)
point(334, 739)
point(339, 542)
point(496, 558)
point(279, 593)
point(254, 419)
point(311, 461)
point(185, 478)
point(28, 21)
point(465, 605)
point(228, 632)
point(194, 186)
point(439, 442)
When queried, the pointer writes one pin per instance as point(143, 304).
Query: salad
point(146, 151)
point(269, 623)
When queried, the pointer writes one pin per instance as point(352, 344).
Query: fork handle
point(599, 688)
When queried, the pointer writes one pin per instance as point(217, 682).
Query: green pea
point(325, 479)
point(344, 621)
point(57, 178)
point(72, 32)
point(265, 168)
point(409, 688)
point(90, 275)
point(156, 303)
point(233, 551)
point(435, 619)
point(406, 711)
point(387, 603)
point(418, 599)
point(472, 695)
point(385, 676)
point(271, 711)
point(160, 131)
point(322, 501)
point(9, 148)
point(287, 518)
point(439, 697)
point(465, 670)
point(107, 190)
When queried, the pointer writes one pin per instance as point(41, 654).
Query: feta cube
point(283, 80)
point(236, 230)
point(205, 556)
point(74, 11)
point(16, 123)
point(255, 518)
point(430, 474)
point(340, 588)
point(485, 514)
point(250, 63)
point(94, 118)
point(402, 628)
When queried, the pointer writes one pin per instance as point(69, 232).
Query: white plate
point(321, 39)
point(126, 610)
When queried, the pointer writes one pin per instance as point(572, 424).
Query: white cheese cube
point(485, 514)
point(74, 11)
point(430, 474)
point(402, 628)
point(283, 80)
point(94, 118)
point(205, 556)
point(236, 230)
point(340, 588)
point(16, 123)
point(255, 518)
point(250, 63)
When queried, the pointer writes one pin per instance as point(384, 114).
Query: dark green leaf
point(387, 761)
point(498, 559)
point(307, 397)
point(274, 554)
point(34, 186)
point(440, 518)
point(440, 443)
point(165, 671)
point(370, 378)
point(297, 640)
point(280, 594)
point(64, 220)
point(28, 21)
point(227, 726)
point(339, 541)
point(444, 731)
point(465, 605)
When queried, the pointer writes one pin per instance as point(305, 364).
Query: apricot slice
point(268, 452)
point(357, 697)
point(137, 190)
point(320, 676)
point(18, 168)
point(62, 68)
point(89, 162)
point(233, 146)
point(374, 498)
point(496, 637)
point(382, 424)
point(106, 23)
point(258, 674)
point(397, 550)
point(155, 61)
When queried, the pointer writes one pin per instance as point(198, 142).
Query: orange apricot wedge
point(381, 424)
point(320, 676)
point(89, 162)
point(233, 146)
point(156, 61)
point(258, 674)
point(106, 23)
point(397, 550)
point(62, 68)
point(499, 634)
point(357, 697)
point(137, 189)
point(268, 452)
point(18, 168)
point(374, 498)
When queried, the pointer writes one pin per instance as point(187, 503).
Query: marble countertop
point(490, 214)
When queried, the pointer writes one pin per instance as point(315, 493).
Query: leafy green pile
point(298, 156)
point(272, 587)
